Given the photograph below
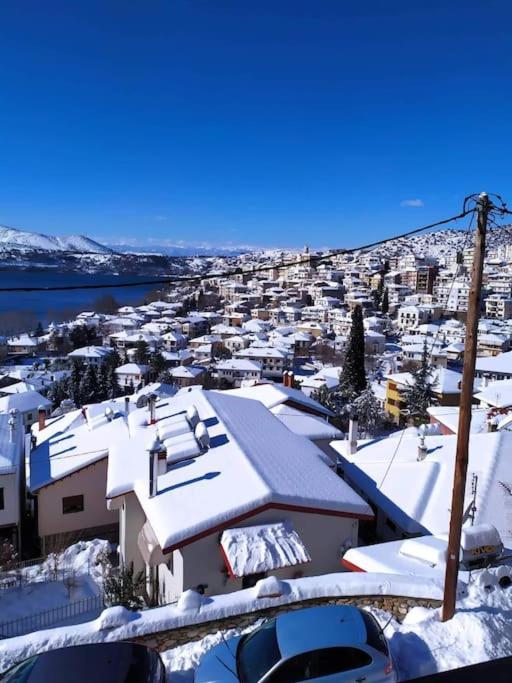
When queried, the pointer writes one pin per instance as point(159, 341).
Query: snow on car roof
point(253, 462)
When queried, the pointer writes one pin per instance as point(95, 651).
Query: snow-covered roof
point(22, 340)
point(91, 352)
point(186, 371)
point(312, 427)
point(132, 369)
point(271, 395)
point(253, 462)
point(240, 364)
point(70, 449)
point(444, 381)
point(264, 548)
point(25, 402)
point(502, 363)
point(449, 417)
point(498, 394)
point(416, 495)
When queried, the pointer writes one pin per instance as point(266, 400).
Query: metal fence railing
point(51, 617)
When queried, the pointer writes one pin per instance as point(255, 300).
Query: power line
point(240, 271)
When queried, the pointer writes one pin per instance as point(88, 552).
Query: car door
point(328, 665)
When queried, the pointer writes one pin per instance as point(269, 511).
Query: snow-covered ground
point(480, 630)
point(79, 576)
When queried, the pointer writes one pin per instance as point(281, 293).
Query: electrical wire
point(434, 341)
point(189, 279)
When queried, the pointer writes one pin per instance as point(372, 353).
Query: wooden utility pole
point(466, 399)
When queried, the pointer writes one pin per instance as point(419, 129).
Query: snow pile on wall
point(221, 606)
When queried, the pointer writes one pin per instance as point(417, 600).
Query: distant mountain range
point(24, 250)
point(24, 241)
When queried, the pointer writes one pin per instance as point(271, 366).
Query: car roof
point(314, 628)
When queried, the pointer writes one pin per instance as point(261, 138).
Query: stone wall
point(164, 640)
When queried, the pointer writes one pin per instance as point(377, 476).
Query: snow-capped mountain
point(12, 239)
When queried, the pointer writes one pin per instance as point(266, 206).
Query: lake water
point(47, 306)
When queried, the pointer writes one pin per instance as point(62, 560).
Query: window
point(319, 663)
point(252, 579)
point(72, 504)
point(2, 501)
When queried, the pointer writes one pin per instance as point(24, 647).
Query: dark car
point(98, 663)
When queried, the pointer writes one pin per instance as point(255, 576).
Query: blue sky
point(250, 121)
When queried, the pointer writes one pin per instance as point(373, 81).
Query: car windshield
point(257, 653)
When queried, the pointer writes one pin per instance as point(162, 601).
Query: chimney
point(152, 409)
point(422, 449)
point(285, 378)
point(352, 434)
point(12, 426)
point(41, 414)
point(155, 449)
point(290, 379)
point(126, 404)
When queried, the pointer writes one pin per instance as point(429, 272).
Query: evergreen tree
point(113, 389)
point(89, 389)
point(103, 382)
point(73, 383)
point(366, 407)
point(141, 352)
point(419, 394)
point(157, 365)
point(385, 302)
point(353, 379)
point(39, 330)
point(113, 359)
point(124, 587)
point(78, 337)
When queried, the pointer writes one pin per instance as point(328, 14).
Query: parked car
point(332, 644)
point(100, 662)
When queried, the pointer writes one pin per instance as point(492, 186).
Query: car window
point(318, 663)
point(374, 636)
point(257, 653)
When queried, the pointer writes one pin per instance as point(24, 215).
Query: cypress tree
point(385, 302)
point(74, 383)
point(353, 379)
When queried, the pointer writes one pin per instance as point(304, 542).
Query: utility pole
point(466, 398)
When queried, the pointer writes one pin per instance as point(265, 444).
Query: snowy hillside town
point(282, 431)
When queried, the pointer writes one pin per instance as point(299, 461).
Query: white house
point(91, 355)
point(273, 361)
point(131, 374)
point(236, 370)
point(217, 499)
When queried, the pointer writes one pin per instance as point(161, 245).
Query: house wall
point(11, 513)
point(201, 562)
point(89, 482)
point(131, 521)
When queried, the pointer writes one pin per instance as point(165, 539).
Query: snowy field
point(481, 630)
point(78, 573)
